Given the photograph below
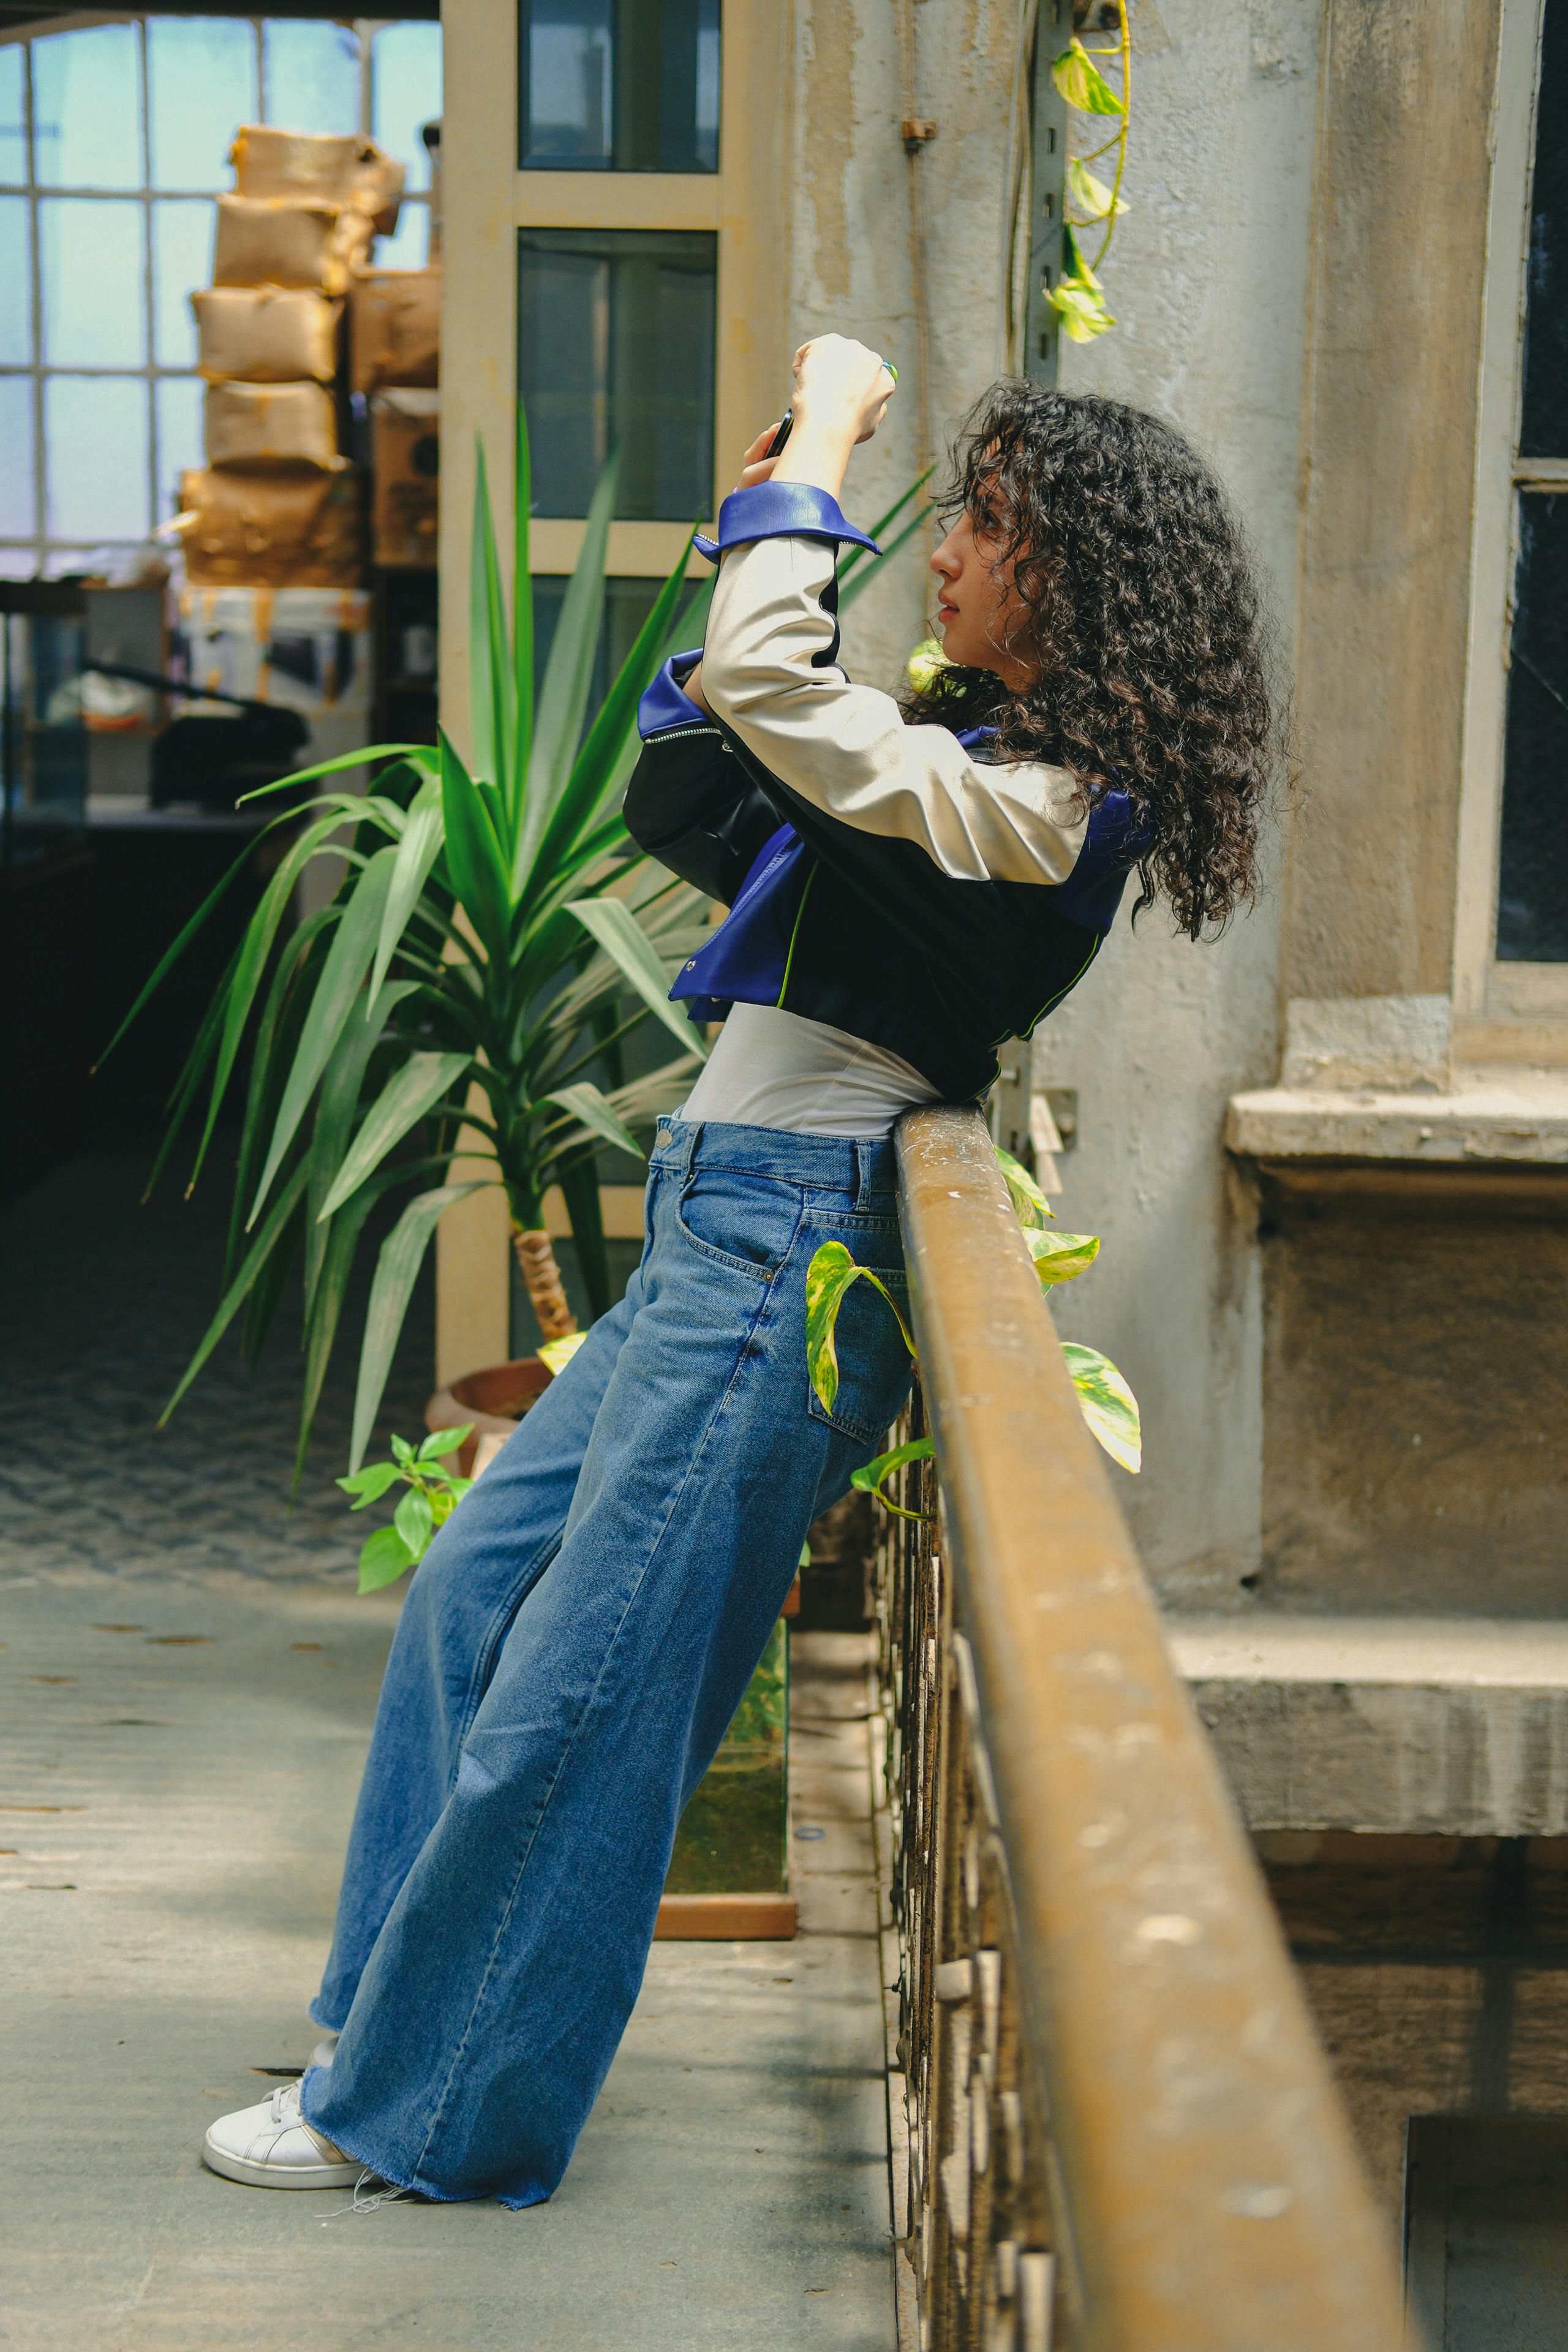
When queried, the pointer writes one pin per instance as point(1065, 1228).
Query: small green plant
point(433, 1494)
point(1106, 1402)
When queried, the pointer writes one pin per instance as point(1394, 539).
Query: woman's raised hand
point(841, 387)
point(841, 395)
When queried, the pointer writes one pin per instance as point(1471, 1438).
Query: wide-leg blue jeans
point(569, 1656)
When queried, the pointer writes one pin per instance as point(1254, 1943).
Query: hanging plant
point(1107, 1404)
point(1078, 297)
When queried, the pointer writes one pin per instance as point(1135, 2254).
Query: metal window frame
point(46, 546)
point(1512, 1010)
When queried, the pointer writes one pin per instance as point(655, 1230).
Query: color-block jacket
point(885, 878)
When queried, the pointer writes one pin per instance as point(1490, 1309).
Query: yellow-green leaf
point(1060, 1256)
point(558, 1353)
point(827, 1278)
point(1030, 1205)
point(1075, 270)
point(1091, 194)
point(1107, 1404)
point(924, 665)
point(1082, 309)
point(870, 1479)
point(1081, 83)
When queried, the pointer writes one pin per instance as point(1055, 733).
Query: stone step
point(1450, 1725)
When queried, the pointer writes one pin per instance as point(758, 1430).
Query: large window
point(618, 85)
point(1532, 880)
point(113, 142)
point(615, 351)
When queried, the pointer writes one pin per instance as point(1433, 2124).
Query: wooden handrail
point(1204, 2193)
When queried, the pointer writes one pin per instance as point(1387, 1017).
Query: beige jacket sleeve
point(846, 748)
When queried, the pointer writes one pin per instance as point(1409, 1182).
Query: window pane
point(1545, 422)
point(627, 604)
point(181, 260)
point(202, 76)
point(310, 75)
point(90, 262)
point(410, 249)
point(16, 440)
point(619, 85)
point(87, 108)
point(17, 563)
point(615, 348)
point(180, 437)
point(16, 284)
point(12, 116)
point(95, 450)
point(1533, 900)
point(405, 93)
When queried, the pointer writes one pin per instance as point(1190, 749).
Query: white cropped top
point(770, 1068)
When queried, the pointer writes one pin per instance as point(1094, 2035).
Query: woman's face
point(982, 617)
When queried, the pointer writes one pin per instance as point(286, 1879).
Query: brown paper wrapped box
point(287, 241)
point(269, 428)
point(337, 168)
point(266, 335)
point(394, 328)
point(406, 452)
point(272, 531)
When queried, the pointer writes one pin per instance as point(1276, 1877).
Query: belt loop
point(865, 1154)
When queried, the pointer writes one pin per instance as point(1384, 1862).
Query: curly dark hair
point(1144, 615)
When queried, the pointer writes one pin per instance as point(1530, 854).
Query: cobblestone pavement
point(102, 1302)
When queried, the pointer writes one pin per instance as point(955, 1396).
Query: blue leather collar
point(781, 510)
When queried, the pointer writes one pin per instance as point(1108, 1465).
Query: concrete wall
point(1208, 281)
point(1417, 1396)
point(853, 268)
point(1390, 450)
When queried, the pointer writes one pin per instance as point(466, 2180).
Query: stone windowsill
point(1507, 1116)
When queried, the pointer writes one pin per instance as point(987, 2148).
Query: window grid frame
point(1503, 1011)
point(46, 546)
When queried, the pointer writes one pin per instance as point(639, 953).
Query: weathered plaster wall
point(1208, 283)
point(1417, 1393)
point(852, 262)
point(1401, 239)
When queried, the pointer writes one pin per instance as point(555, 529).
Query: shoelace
point(285, 2110)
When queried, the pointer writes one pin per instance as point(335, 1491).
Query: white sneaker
point(323, 2053)
point(271, 2145)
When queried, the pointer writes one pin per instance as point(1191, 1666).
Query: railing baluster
point(1102, 2046)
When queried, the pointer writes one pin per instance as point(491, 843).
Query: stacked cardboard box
point(277, 504)
point(395, 345)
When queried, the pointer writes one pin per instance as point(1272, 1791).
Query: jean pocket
point(745, 1222)
point(874, 1363)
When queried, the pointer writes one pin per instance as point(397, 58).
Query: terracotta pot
point(494, 1400)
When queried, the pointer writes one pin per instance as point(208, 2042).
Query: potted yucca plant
point(465, 995)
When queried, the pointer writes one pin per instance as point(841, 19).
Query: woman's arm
point(841, 395)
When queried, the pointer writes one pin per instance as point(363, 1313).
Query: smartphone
point(782, 435)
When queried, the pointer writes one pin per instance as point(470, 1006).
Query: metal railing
point(1114, 2130)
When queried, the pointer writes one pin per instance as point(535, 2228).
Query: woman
point(904, 896)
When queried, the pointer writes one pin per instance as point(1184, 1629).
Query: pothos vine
point(1078, 297)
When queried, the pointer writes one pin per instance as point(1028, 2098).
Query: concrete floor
point(188, 1681)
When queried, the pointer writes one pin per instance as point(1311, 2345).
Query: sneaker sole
point(279, 2176)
